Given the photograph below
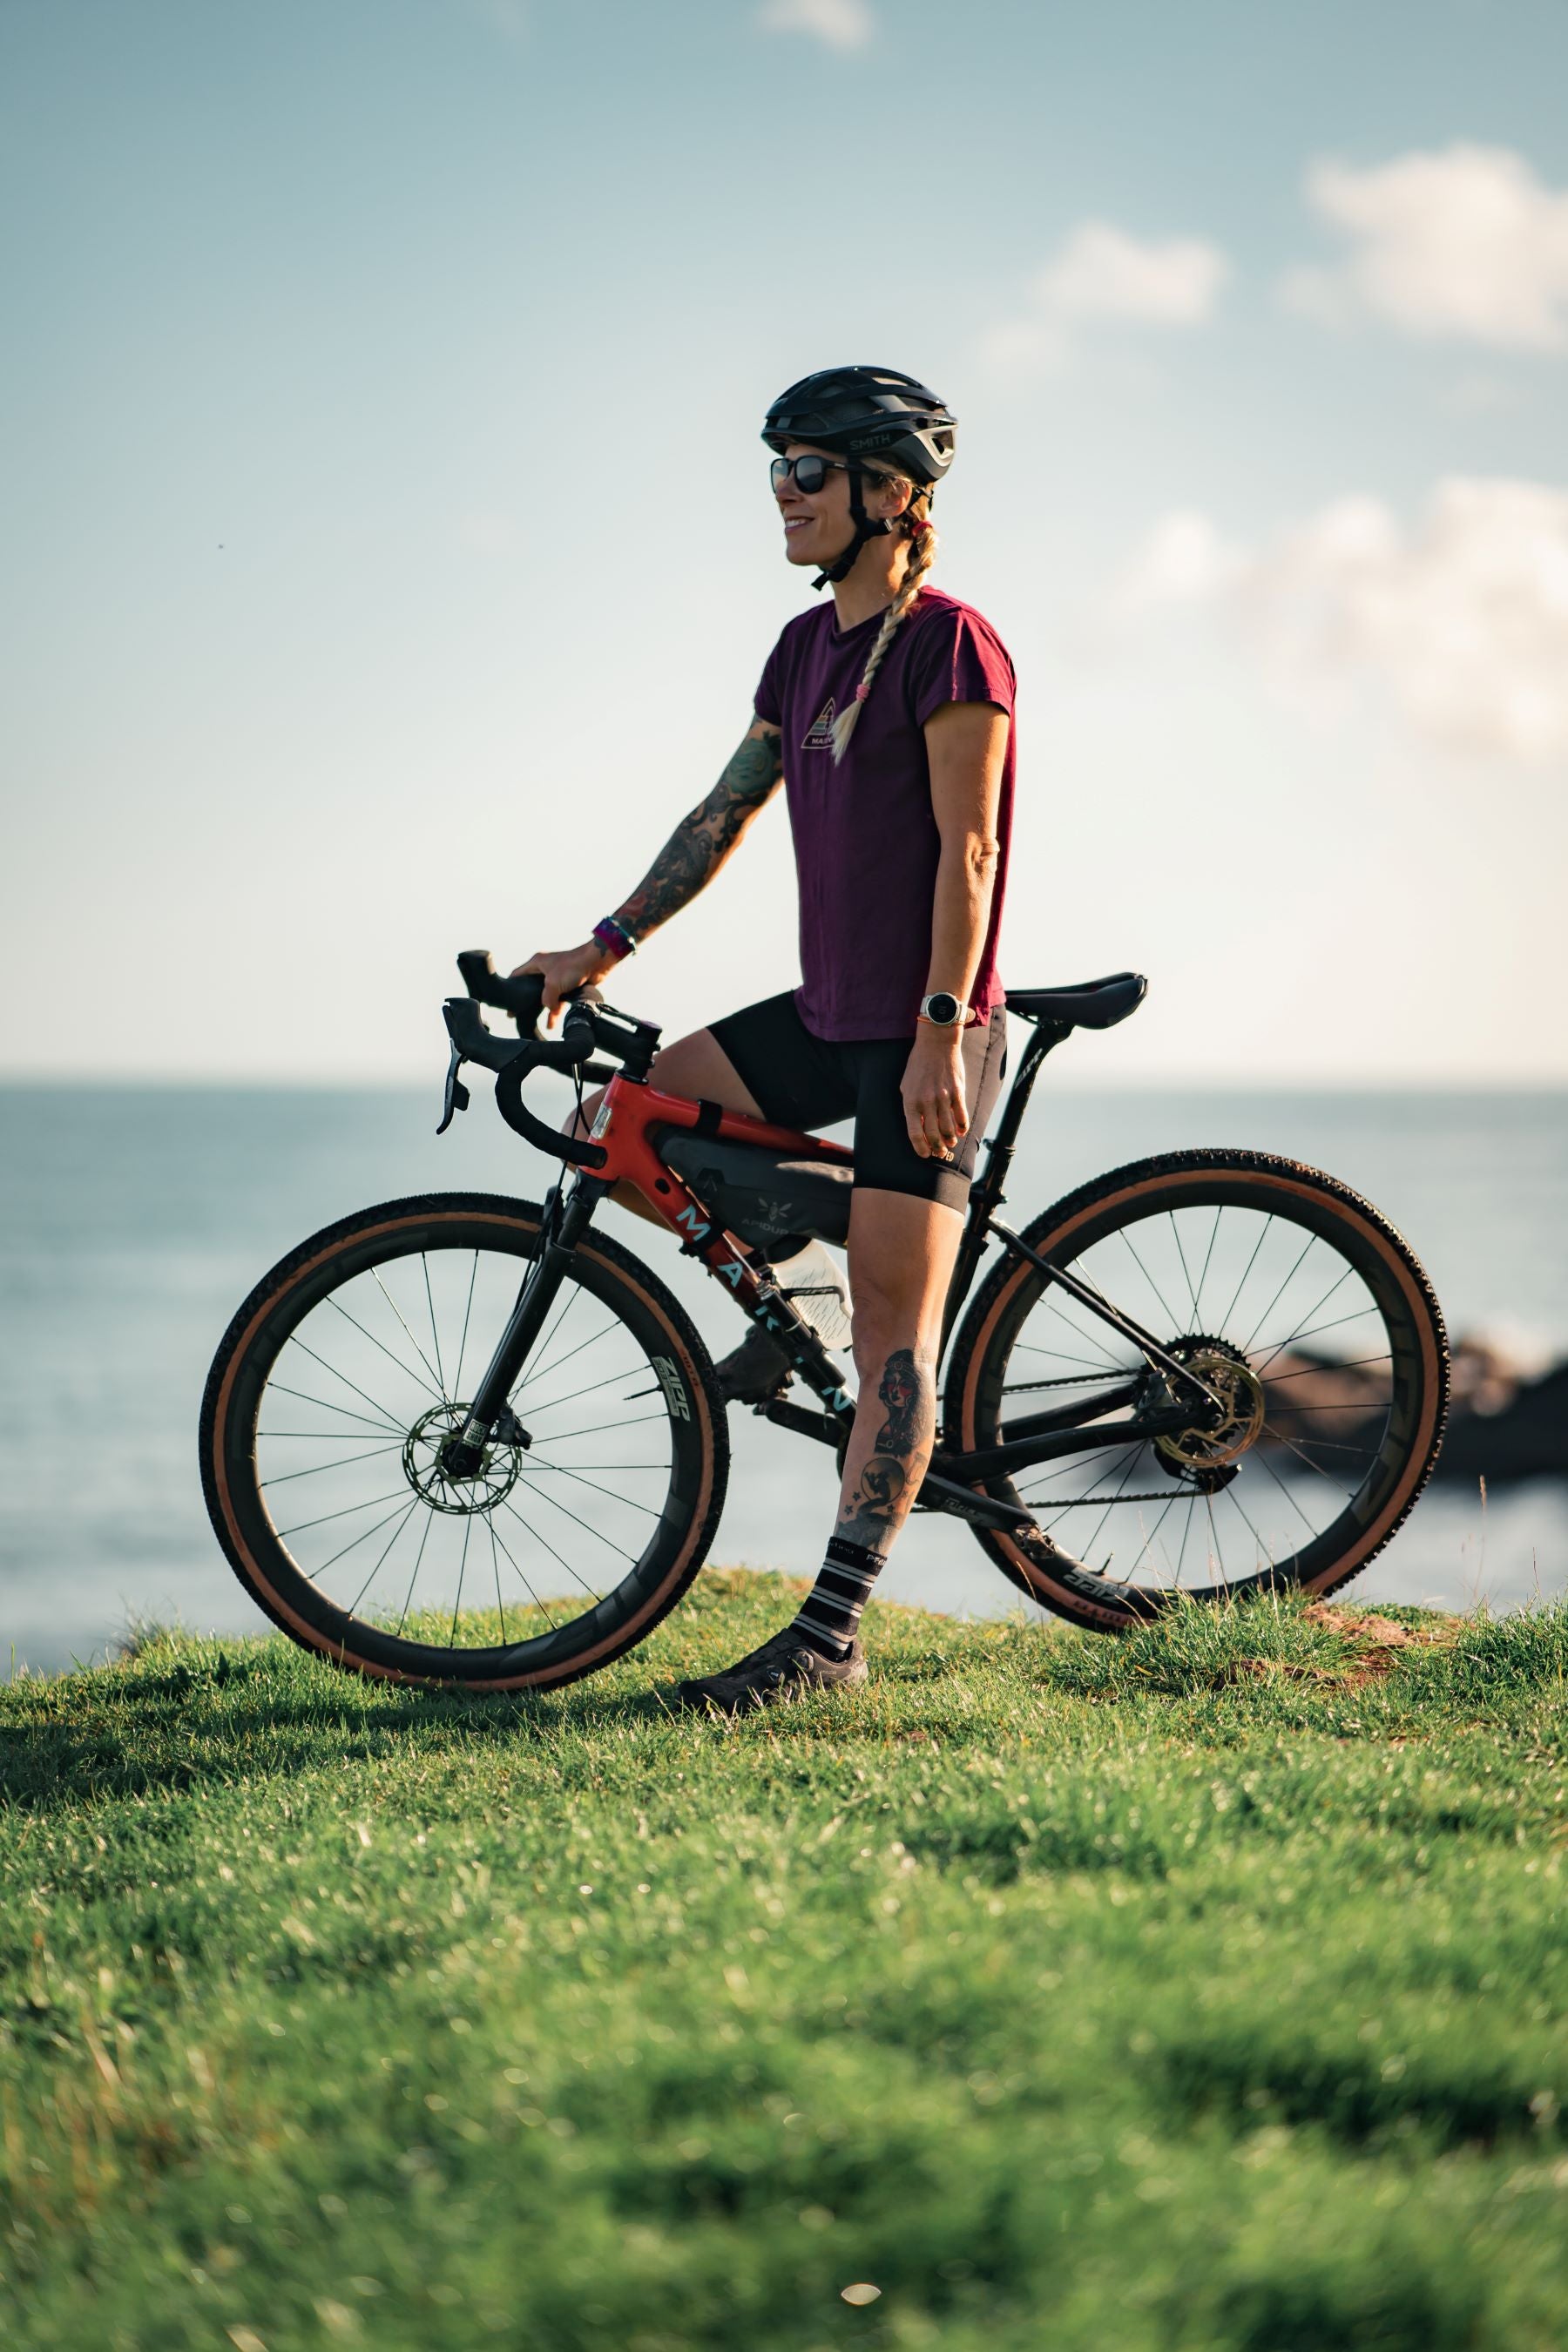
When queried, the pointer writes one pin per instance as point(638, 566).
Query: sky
point(388, 561)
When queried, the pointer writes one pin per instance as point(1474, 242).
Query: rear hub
point(1220, 1437)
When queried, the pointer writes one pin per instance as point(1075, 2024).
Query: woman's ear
point(894, 498)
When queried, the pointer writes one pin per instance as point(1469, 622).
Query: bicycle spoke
point(578, 1479)
point(384, 1422)
point(390, 1419)
point(433, 1368)
point(1198, 1302)
point(375, 1571)
point(317, 1468)
point(1094, 1537)
point(1290, 1341)
point(1181, 1252)
point(540, 1536)
point(544, 1495)
point(463, 1343)
point(462, 1571)
point(1266, 1555)
point(1186, 1531)
point(1290, 1497)
point(1153, 1531)
point(1123, 1237)
point(495, 1563)
point(1245, 1276)
point(435, 1335)
point(347, 1512)
point(600, 1428)
point(628, 1373)
point(1279, 1439)
point(1289, 1278)
point(406, 1370)
point(542, 1606)
point(615, 1324)
point(364, 1537)
point(418, 1563)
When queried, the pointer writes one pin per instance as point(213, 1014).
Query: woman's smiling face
point(816, 529)
point(817, 525)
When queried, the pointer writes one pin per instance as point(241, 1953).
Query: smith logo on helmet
point(818, 736)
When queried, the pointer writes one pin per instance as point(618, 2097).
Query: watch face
point(942, 1008)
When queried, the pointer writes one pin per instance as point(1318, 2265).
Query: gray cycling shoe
point(785, 1667)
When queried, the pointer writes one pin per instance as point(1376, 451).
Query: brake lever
point(457, 1096)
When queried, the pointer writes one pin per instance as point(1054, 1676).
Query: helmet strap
point(865, 529)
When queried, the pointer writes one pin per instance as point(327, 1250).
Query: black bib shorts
point(800, 1080)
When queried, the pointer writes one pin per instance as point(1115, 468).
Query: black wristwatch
point(944, 1009)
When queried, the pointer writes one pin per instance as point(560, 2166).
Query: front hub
point(451, 1476)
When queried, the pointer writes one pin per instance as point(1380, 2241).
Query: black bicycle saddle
point(1090, 1004)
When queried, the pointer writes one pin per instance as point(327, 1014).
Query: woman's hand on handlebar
point(563, 970)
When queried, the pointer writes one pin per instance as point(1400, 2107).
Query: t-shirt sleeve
point(957, 657)
point(768, 701)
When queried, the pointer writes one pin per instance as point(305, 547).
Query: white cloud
point(1462, 618)
point(1464, 243)
point(1184, 560)
point(1100, 272)
point(840, 23)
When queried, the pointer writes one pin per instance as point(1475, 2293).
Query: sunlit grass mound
point(1203, 1989)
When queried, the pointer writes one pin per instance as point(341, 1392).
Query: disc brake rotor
point(1227, 1371)
point(423, 1467)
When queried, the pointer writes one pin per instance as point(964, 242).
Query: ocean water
point(133, 1220)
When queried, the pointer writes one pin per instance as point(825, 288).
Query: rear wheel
point(1303, 1311)
point(332, 1396)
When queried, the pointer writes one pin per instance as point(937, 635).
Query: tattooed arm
point(704, 839)
point(686, 865)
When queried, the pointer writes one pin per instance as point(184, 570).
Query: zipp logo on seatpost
point(674, 1387)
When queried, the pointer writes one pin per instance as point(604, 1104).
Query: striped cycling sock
point(830, 1613)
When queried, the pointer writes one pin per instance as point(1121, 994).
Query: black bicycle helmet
point(871, 412)
point(868, 411)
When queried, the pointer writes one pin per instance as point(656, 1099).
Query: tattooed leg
point(898, 1274)
point(875, 1501)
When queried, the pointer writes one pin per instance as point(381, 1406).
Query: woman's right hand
point(565, 969)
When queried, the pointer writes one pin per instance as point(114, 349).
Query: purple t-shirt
point(865, 842)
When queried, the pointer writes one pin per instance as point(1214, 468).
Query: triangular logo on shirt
point(818, 736)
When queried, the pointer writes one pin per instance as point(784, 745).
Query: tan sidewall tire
point(1250, 1173)
point(621, 1270)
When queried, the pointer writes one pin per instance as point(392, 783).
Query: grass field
point(1202, 1990)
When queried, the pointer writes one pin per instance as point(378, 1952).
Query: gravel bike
point(466, 1439)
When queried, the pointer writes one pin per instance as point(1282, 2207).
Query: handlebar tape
point(518, 1116)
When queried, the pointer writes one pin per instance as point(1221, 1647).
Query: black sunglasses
point(810, 472)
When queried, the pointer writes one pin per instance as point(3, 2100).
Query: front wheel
point(331, 1400)
point(1304, 1312)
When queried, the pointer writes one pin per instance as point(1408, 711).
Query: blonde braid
point(921, 535)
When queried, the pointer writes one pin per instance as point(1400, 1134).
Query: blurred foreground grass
point(1202, 1990)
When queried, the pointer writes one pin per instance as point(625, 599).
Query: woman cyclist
point(887, 715)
